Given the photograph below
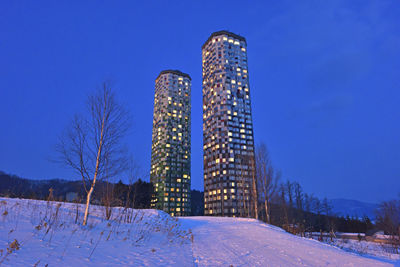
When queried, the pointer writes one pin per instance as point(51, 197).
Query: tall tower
point(227, 126)
point(170, 151)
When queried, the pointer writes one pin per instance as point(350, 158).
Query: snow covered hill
point(353, 208)
point(40, 232)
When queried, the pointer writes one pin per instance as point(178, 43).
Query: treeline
point(137, 195)
point(296, 211)
point(286, 205)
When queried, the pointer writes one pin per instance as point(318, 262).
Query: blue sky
point(324, 78)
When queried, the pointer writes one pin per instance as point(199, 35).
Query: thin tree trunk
point(255, 196)
point(88, 196)
point(266, 210)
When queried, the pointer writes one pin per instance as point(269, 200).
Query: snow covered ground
point(38, 232)
point(362, 247)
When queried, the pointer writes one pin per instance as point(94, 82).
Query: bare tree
point(388, 219)
point(267, 178)
point(91, 146)
point(254, 188)
point(133, 175)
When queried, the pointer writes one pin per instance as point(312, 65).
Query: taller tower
point(170, 151)
point(227, 126)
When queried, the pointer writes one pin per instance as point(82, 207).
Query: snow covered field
point(362, 247)
point(38, 232)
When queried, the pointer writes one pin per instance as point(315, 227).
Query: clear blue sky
point(324, 77)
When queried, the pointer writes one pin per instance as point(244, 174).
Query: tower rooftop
point(177, 72)
point(223, 32)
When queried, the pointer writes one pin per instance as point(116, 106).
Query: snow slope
point(247, 242)
point(50, 237)
point(47, 234)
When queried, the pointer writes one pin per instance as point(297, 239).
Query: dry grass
point(58, 224)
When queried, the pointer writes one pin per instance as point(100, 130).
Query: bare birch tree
point(92, 145)
point(267, 178)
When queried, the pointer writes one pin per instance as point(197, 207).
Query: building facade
point(227, 127)
point(170, 151)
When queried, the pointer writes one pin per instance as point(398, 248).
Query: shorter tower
point(170, 151)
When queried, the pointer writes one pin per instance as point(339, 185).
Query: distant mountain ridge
point(353, 208)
